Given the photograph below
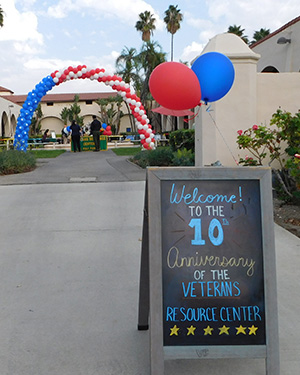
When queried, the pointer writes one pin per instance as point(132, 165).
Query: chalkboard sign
point(212, 264)
point(213, 283)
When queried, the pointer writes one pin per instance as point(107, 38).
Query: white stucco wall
point(276, 90)
point(51, 114)
point(253, 99)
point(52, 121)
point(284, 57)
point(9, 113)
point(216, 130)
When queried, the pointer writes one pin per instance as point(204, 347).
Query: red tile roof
point(295, 20)
point(3, 89)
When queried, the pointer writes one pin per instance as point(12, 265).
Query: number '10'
point(214, 224)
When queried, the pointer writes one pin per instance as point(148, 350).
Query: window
point(270, 69)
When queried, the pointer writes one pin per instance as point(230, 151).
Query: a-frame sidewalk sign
point(208, 272)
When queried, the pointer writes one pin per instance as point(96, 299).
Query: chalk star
point(208, 331)
point(191, 330)
point(174, 330)
point(252, 330)
point(240, 329)
point(224, 329)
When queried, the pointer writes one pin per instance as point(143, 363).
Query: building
point(9, 113)
point(280, 51)
point(253, 98)
point(52, 105)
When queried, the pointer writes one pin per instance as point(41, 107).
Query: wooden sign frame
point(151, 276)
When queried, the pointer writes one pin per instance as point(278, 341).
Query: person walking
point(75, 136)
point(95, 131)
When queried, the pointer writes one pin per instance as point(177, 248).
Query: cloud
point(19, 26)
point(192, 51)
point(63, 8)
point(22, 48)
point(272, 14)
point(126, 11)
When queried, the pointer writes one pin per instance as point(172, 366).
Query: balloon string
point(191, 118)
point(208, 110)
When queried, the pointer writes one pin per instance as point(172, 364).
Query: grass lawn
point(126, 151)
point(41, 154)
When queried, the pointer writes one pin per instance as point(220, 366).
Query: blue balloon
point(104, 125)
point(215, 73)
point(68, 129)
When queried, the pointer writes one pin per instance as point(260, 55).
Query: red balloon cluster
point(107, 131)
point(124, 89)
point(175, 86)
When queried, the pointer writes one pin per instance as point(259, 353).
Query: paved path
point(79, 167)
point(69, 265)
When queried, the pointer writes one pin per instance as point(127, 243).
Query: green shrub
point(183, 157)
point(161, 157)
point(270, 141)
point(164, 157)
point(13, 161)
point(183, 138)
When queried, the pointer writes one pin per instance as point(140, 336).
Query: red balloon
point(175, 86)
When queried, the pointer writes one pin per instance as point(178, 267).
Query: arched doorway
point(4, 125)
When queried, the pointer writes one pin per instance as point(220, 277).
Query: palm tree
point(150, 56)
point(127, 67)
point(36, 120)
point(239, 32)
point(64, 115)
point(72, 113)
point(109, 114)
point(172, 19)
point(1, 16)
point(146, 25)
point(258, 35)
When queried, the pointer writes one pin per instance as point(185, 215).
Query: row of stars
point(222, 330)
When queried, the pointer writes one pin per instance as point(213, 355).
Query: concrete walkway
point(101, 166)
point(69, 265)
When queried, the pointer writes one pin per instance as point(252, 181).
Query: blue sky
point(40, 36)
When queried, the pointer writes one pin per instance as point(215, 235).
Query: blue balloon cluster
point(27, 111)
point(215, 73)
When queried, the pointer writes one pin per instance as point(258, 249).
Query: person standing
point(45, 136)
point(75, 135)
point(95, 131)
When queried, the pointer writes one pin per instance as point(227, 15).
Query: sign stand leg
point(143, 319)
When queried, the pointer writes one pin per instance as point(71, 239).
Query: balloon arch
point(81, 72)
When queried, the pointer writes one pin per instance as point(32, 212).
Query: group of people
point(76, 133)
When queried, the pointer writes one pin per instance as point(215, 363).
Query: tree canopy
point(1, 17)
point(258, 35)
point(237, 30)
point(146, 25)
point(172, 19)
